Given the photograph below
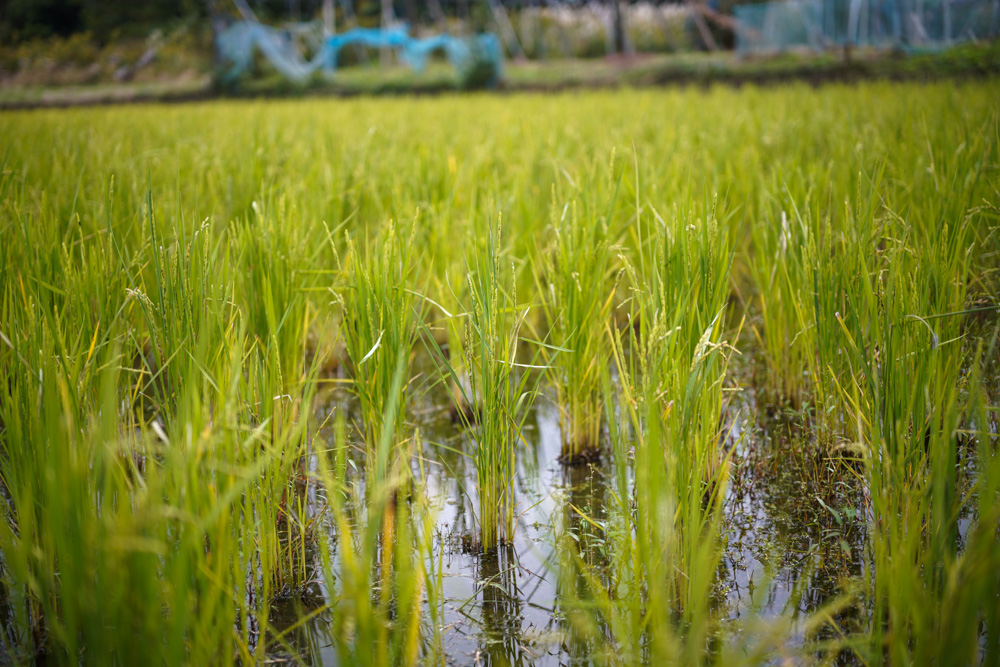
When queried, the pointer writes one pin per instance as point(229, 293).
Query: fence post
point(947, 22)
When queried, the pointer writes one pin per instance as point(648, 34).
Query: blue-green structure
point(238, 43)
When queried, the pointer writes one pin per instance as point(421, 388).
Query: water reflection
point(500, 609)
point(584, 515)
point(785, 553)
point(794, 528)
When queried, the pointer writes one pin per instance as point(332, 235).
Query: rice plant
point(908, 396)
point(379, 328)
point(155, 528)
point(575, 277)
point(500, 388)
point(166, 484)
point(657, 604)
point(805, 269)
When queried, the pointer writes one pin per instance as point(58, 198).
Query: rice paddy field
point(606, 378)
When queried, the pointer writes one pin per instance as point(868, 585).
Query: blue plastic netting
point(237, 43)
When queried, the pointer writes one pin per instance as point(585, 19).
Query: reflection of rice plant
point(385, 560)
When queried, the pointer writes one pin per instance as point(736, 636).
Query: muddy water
point(793, 532)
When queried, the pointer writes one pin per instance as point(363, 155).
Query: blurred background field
point(63, 52)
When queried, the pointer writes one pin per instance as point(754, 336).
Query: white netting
point(821, 24)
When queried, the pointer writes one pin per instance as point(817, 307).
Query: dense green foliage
point(33, 19)
point(177, 283)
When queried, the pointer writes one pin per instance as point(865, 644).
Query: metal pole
point(619, 26)
point(384, 54)
point(506, 29)
point(947, 21)
point(329, 18)
point(245, 11)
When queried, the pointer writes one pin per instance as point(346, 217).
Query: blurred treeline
point(26, 20)
point(105, 21)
